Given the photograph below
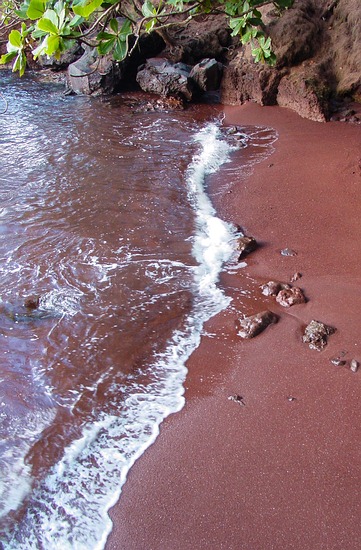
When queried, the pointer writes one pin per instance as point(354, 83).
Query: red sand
point(275, 473)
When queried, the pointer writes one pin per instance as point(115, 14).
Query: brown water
point(104, 215)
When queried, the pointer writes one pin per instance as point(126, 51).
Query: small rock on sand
point(245, 245)
point(316, 334)
point(288, 252)
point(288, 297)
point(296, 276)
point(337, 361)
point(354, 365)
point(249, 327)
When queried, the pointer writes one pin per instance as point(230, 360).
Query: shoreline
point(283, 470)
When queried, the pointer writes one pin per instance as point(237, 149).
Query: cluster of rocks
point(315, 334)
point(285, 294)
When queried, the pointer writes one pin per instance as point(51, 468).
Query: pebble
point(338, 362)
point(296, 276)
point(288, 252)
point(354, 365)
point(237, 398)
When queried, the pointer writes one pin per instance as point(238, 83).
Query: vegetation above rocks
point(52, 27)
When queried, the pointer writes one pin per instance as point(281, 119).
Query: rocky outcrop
point(318, 48)
point(317, 44)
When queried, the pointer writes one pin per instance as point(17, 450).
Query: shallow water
point(104, 215)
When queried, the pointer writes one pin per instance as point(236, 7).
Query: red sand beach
point(283, 469)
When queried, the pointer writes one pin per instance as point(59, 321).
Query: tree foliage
point(50, 27)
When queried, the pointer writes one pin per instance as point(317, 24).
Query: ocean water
point(106, 219)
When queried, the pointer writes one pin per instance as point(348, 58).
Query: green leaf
point(47, 26)
point(77, 20)
point(148, 10)
point(36, 9)
point(113, 24)
point(22, 11)
point(7, 57)
point(15, 39)
point(40, 48)
point(120, 50)
point(37, 33)
point(236, 25)
point(86, 7)
point(53, 44)
point(103, 35)
point(149, 26)
point(20, 63)
point(105, 47)
point(126, 29)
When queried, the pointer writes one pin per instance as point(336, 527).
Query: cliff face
point(318, 48)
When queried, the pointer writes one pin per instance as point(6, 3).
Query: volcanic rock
point(207, 75)
point(164, 78)
point(249, 327)
point(272, 288)
point(290, 296)
point(245, 245)
point(316, 334)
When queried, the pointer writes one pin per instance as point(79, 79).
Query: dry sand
point(283, 470)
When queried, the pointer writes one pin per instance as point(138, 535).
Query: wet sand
point(283, 469)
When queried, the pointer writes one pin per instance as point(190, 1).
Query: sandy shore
point(284, 469)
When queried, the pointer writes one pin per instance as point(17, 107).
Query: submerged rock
point(316, 334)
point(288, 297)
point(251, 326)
point(28, 310)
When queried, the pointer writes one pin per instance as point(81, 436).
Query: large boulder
point(164, 78)
point(207, 75)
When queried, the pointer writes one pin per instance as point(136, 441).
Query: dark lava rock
point(160, 76)
point(288, 297)
point(316, 334)
point(245, 245)
point(207, 75)
point(255, 324)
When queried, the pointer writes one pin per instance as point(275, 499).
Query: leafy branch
point(51, 27)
